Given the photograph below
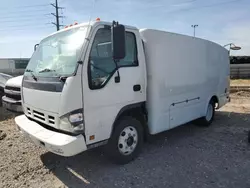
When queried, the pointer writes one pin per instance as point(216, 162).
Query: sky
point(24, 23)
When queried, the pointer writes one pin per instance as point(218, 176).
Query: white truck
point(12, 94)
point(106, 83)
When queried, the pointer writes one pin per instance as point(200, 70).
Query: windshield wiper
point(31, 72)
point(46, 70)
point(63, 78)
point(28, 70)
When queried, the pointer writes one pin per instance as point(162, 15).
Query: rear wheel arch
point(208, 118)
point(215, 99)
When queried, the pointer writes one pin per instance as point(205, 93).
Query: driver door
point(104, 96)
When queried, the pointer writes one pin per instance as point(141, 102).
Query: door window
point(101, 64)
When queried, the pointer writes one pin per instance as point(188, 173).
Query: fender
point(141, 106)
point(129, 107)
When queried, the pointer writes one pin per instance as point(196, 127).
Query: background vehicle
point(106, 83)
point(3, 80)
point(12, 94)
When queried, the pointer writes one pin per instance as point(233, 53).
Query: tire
point(126, 140)
point(208, 119)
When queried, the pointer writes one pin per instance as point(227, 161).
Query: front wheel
point(126, 141)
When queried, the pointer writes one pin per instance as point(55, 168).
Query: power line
point(23, 7)
point(23, 16)
point(23, 20)
point(30, 6)
point(32, 17)
point(26, 28)
point(23, 25)
point(27, 18)
point(20, 11)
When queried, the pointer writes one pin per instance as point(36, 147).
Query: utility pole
point(194, 26)
point(57, 24)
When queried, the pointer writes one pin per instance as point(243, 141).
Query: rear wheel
point(209, 117)
point(126, 141)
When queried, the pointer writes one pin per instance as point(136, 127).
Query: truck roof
point(152, 32)
point(92, 23)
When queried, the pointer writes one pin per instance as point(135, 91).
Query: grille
point(28, 110)
point(16, 97)
point(13, 88)
point(51, 119)
point(39, 116)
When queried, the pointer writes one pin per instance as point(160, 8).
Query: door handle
point(137, 87)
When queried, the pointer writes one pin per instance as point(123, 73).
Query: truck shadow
point(93, 169)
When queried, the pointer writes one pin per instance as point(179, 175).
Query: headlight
point(73, 122)
point(76, 118)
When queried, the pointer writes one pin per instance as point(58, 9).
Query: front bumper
point(58, 143)
point(11, 104)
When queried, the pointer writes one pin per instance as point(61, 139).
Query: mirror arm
point(117, 78)
point(35, 47)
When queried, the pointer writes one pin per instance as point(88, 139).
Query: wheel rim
point(128, 140)
point(209, 114)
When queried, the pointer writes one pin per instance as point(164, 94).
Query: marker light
point(98, 19)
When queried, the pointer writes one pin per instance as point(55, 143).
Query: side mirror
point(118, 41)
point(35, 47)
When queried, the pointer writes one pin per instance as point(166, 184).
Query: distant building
point(13, 66)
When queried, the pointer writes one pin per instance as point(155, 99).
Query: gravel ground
point(188, 156)
point(240, 82)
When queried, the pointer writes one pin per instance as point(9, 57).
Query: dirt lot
point(240, 82)
point(188, 156)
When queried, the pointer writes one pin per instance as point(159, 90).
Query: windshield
point(57, 55)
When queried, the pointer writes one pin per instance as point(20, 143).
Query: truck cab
point(72, 80)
